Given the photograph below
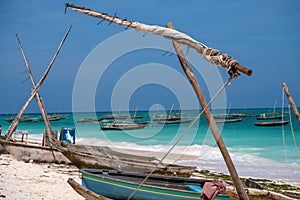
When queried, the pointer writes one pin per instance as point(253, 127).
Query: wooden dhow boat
point(211, 55)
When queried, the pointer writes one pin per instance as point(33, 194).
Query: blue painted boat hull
point(116, 188)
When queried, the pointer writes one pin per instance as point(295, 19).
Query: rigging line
point(292, 129)
point(168, 51)
point(26, 80)
point(282, 126)
point(187, 51)
point(182, 135)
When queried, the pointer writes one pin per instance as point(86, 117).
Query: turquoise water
point(256, 151)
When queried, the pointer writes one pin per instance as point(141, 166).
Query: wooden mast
point(208, 116)
point(15, 122)
point(291, 100)
point(37, 96)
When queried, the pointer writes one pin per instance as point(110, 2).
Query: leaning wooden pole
point(211, 55)
point(210, 120)
point(291, 100)
point(15, 122)
point(37, 96)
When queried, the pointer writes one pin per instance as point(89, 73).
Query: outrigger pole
point(291, 100)
point(208, 116)
point(15, 122)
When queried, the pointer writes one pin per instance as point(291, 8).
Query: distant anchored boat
point(164, 118)
point(228, 120)
point(180, 121)
point(90, 119)
point(23, 119)
point(268, 117)
point(273, 123)
point(123, 126)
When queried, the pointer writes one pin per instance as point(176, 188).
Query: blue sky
point(262, 35)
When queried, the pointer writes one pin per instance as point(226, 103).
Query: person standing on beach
point(0, 129)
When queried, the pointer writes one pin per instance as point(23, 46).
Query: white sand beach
point(20, 180)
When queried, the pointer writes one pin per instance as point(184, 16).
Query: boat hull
point(228, 120)
point(116, 187)
point(87, 156)
point(120, 127)
point(279, 123)
point(269, 118)
point(174, 121)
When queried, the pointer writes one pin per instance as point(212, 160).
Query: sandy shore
point(20, 180)
point(23, 181)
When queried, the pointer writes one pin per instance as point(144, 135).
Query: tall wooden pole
point(15, 122)
point(291, 100)
point(37, 96)
point(210, 120)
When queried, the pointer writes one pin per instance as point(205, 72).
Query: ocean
point(258, 152)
